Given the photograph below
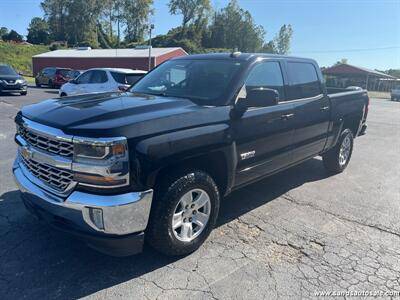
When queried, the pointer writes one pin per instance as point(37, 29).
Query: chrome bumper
point(121, 214)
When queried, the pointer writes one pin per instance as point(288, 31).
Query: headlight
point(102, 162)
point(20, 81)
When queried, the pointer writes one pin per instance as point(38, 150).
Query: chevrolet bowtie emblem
point(26, 153)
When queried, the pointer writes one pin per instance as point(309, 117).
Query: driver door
point(82, 83)
point(264, 135)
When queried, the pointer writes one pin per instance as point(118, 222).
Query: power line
point(350, 50)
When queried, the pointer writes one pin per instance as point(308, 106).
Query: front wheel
point(24, 93)
point(337, 159)
point(184, 213)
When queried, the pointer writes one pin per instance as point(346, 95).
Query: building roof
point(350, 69)
point(108, 53)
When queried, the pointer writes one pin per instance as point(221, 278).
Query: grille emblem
point(26, 153)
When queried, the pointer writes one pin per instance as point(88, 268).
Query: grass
point(20, 56)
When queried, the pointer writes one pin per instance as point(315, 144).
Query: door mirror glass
point(259, 97)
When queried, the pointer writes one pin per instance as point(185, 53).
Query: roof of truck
point(242, 56)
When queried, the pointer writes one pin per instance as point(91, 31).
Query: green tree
point(56, 14)
point(342, 61)
point(191, 10)
point(135, 18)
point(234, 27)
point(12, 36)
point(38, 31)
point(3, 31)
point(283, 38)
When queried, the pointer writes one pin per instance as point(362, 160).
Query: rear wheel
point(184, 212)
point(37, 83)
point(63, 95)
point(24, 93)
point(337, 159)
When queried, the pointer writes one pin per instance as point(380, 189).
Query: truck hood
point(121, 114)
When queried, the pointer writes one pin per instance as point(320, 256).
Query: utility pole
point(151, 27)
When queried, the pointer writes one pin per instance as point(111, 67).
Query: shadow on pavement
point(38, 262)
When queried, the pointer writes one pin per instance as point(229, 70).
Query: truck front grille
point(51, 145)
point(56, 178)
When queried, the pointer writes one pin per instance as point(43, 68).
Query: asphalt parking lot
point(290, 236)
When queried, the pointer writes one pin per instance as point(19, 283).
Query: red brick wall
point(86, 63)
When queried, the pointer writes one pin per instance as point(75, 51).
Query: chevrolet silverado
point(152, 164)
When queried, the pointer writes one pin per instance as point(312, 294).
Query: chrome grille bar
point(45, 143)
point(56, 178)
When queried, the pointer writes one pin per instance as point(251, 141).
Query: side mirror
point(259, 97)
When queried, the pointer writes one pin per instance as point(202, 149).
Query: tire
point(24, 93)
point(37, 83)
point(168, 201)
point(51, 84)
point(63, 95)
point(334, 160)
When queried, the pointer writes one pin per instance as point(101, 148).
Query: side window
point(304, 81)
point(98, 77)
point(266, 75)
point(84, 77)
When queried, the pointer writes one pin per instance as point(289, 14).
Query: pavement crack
point(343, 218)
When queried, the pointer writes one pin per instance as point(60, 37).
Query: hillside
point(20, 56)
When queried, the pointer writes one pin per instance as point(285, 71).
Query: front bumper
point(124, 216)
point(16, 88)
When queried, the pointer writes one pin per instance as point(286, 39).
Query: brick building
point(86, 58)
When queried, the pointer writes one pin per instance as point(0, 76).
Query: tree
point(234, 27)
point(342, 61)
point(282, 40)
point(56, 13)
point(3, 31)
point(38, 31)
point(191, 10)
point(135, 18)
point(12, 36)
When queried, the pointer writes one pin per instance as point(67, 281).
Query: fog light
point(96, 215)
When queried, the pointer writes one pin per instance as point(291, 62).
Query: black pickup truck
point(153, 163)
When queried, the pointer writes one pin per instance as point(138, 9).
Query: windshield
point(203, 81)
point(7, 70)
point(126, 78)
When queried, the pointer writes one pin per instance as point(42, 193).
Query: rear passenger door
point(264, 135)
point(311, 109)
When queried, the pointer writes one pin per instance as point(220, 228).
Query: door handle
point(287, 116)
point(324, 108)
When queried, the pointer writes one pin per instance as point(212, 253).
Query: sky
point(366, 32)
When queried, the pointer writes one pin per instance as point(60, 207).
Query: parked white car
point(101, 80)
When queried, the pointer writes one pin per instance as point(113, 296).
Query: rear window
point(126, 78)
point(304, 80)
point(64, 72)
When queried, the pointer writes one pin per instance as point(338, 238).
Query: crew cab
point(153, 163)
